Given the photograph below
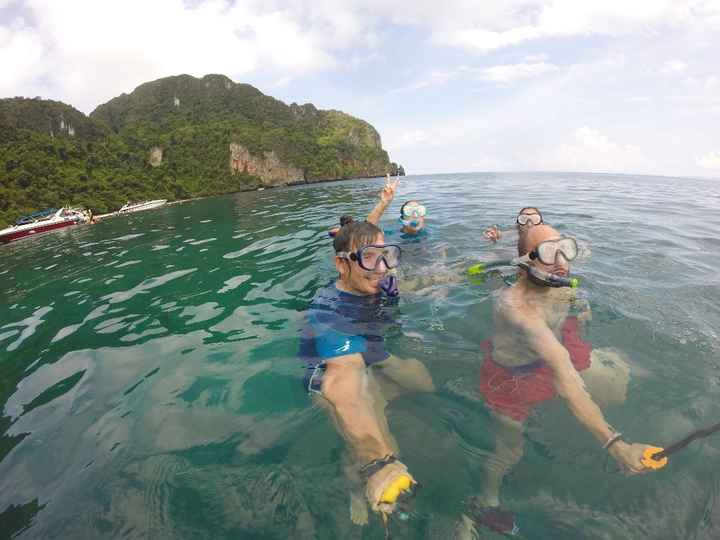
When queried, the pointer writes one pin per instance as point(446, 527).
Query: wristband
point(376, 464)
point(612, 440)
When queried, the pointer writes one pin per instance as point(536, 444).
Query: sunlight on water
point(150, 385)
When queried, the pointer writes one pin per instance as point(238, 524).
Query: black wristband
point(376, 464)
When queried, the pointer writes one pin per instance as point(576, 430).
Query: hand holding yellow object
point(652, 462)
point(385, 486)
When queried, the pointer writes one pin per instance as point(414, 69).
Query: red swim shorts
point(515, 391)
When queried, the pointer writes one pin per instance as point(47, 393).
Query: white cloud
point(435, 77)
point(590, 150)
point(89, 51)
point(21, 53)
point(514, 72)
point(711, 160)
point(566, 18)
point(410, 138)
point(673, 67)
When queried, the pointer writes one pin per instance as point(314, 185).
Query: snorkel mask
point(547, 252)
point(410, 214)
point(369, 258)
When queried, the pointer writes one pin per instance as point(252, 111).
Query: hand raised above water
point(387, 194)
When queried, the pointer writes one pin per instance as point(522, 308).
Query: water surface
point(150, 387)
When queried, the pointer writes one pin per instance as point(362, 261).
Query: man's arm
point(571, 387)
point(568, 382)
point(345, 387)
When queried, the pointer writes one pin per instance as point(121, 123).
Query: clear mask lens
point(548, 251)
point(370, 256)
point(414, 211)
point(524, 219)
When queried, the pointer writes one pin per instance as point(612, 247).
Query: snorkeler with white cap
point(538, 354)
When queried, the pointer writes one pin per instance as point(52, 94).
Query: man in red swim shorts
point(536, 355)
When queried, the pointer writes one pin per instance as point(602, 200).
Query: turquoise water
point(150, 387)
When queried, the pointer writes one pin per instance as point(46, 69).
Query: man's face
point(533, 218)
point(358, 280)
point(561, 266)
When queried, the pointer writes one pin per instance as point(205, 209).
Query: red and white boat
point(42, 222)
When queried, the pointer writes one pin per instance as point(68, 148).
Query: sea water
point(150, 385)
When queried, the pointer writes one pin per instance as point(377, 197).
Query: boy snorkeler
point(351, 374)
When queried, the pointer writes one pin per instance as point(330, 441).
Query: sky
point(628, 86)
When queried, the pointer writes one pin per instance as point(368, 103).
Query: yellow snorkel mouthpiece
point(394, 490)
point(650, 461)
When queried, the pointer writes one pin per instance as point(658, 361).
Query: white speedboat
point(140, 206)
point(42, 222)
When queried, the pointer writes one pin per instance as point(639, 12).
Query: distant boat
point(42, 222)
point(140, 206)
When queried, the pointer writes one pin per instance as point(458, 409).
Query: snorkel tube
point(477, 273)
point(389, 285)
point(546, 279)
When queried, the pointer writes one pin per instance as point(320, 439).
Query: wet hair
point(355, 235)
point(344, 220)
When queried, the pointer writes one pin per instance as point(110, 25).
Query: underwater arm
point(571, 388)
point(345, 386)
point(568, 382)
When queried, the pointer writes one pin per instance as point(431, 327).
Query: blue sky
point(457, 85)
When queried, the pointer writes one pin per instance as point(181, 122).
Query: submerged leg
point(508, 452)
point(608, 377)
point(398, 376)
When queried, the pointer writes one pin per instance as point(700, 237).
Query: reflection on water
point(150, 386)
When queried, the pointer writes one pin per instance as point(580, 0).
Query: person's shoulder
point(511, 306)
point(327, 294)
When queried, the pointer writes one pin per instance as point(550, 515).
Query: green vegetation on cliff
point(173, 138)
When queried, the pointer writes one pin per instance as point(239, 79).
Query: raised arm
point(571, 388)
point(386, 197)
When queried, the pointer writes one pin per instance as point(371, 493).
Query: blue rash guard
point(407, 236)
point(340, 323)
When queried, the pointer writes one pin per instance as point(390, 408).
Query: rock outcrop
point(269, 168)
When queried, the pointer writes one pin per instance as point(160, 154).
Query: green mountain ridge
point(174, 138)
